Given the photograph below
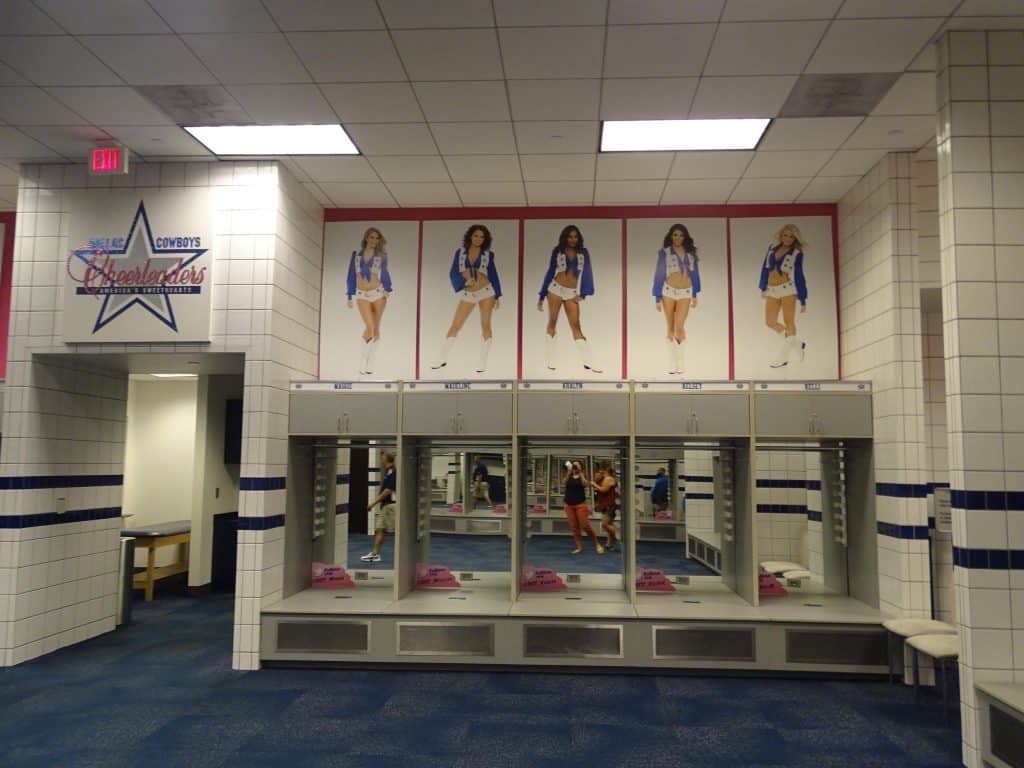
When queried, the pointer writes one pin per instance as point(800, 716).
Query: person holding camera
point(576, 508)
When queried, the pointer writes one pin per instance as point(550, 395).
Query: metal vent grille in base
point(1006, 737)
point(445, 639)
point(323, 637)
point(573, 641)
point(704, 644)
point(442, 524)
point(658, 532)
point(855, 648)
point(485, 526)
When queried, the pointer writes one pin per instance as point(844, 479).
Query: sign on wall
point(139, 268)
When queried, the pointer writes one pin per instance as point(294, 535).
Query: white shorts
point(371, 295)
point(475, 297)
point(781, 291)
point(668, 292)
point(565, 294)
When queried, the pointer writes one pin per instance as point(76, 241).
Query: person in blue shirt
point(387, 499)
point(569, 280)
point(369, 281)
point(676, 285)
point(474, 277)
point(659, 491)
point(782, 285)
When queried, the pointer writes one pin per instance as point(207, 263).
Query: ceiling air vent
point(196, 104)
point(837, 95)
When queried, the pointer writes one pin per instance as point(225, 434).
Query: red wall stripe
point(728, 285)
point(625, 300)
point(519, 318)
point(419, 294)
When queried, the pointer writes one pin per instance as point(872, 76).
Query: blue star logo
point(149, 274)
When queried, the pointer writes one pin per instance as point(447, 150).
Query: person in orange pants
point(576, 508)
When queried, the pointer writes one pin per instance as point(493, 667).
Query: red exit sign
point(104, 161)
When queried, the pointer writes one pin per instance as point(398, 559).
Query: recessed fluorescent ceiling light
point(274, 139)
point(174, 375)
point(655, 135)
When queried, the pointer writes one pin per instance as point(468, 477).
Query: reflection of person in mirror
point(388, 507)
point(569, 280)
point(676, 285)
point(576, 508)
point(481, 486)
point(606, 499)
point(474, 277)
point(659, 492)
point(782, 285)
point(369, 281)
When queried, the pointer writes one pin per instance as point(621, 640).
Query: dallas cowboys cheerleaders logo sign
point(139, 266)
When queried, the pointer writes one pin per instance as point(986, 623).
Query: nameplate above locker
point(459, 386)
point(343, 386)
point(574, 386)
point(812, 386)
point(691, 386)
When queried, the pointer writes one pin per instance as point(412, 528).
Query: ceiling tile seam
point(508, 103)
point(824, 34)
point(600, 96)
point(707, 57)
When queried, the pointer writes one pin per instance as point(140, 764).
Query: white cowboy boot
point(549, 352)
point(371, 354)
point(583, 347)
point(485, 348)
point(797, 348)
point(670, 347)
point(680, 351)
point(364, 356)
point(782, 358)
point(442, 361)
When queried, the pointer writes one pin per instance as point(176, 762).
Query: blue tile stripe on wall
point(261, 483)
point(52, 518)
point(38, 482)
point(783, 509)
point(260, 523)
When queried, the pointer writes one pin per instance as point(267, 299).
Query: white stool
point(905, 629)
point(944, 648)
point(796, 576)
point(779, 567)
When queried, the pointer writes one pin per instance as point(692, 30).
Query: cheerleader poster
point(469, 308)
point(572, 299)
point(368, 300)
point(784, 298)
point(678, 299)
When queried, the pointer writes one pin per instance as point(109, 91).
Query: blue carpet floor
point(461, 552)
point(160, 693)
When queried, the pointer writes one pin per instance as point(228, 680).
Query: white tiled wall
point(782, 536)
point(699, 512)
point(67, 417)
point(981, 233)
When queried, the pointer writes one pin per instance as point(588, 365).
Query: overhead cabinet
point(437, 408)
point(813, 414)
point(600, 411)
point(324, 411)
point(670, 412)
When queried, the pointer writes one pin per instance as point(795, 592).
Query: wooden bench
point(152, 538)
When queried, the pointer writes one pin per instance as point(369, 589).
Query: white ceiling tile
point(8, 198)
point(302, 15)
point(558, 167)
point(8, 176)
point(355, 57)
point(990, 8)
point(894, 133)
point(200, 16)
point(21, 17)
point(697, 191)
point(741, 96)
point(710, 165)
point(149, 59)
point(484, 167)
point(424, 193)
point(248, 58)
point(779, 10)
point(332, 168)
point(55, 61)
point(9, 77)
point(392, 138)
point(560, 192)
point(871, 45)
point(557, 137)
point(459, 100)
point(17, 146)
point(827, 189)
point(633, 165)
point(852, 162)
point(296, 103)
point(415, 14)
point(925, 61)
point(294, 168)
point(664, 50)
point(787, 164)
point(72, 142)
point(663, 11)
point(983, 22)
point(373, 102)
point(449, 54)
point(561, 52)
point(321, 197)
point(742, 48)
point(628, 192)
point(474, 138)
point(492, 192)
point(647, 98)
point(912, 94)
point(767, 190)
point(357, 194)
point(880, 9)
point(157, 141)
point(110, 17)
point(410, 168)
point(546, 99)
point(551, 13)
point(25, 105)
point(808, 132)
point(118, 105)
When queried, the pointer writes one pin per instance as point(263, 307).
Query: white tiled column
point(981, 203)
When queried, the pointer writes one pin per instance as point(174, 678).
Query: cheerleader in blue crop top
point(676, 285)
point(569, 280)
point(370, 283)
point(474, 277)
point(782, 285)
